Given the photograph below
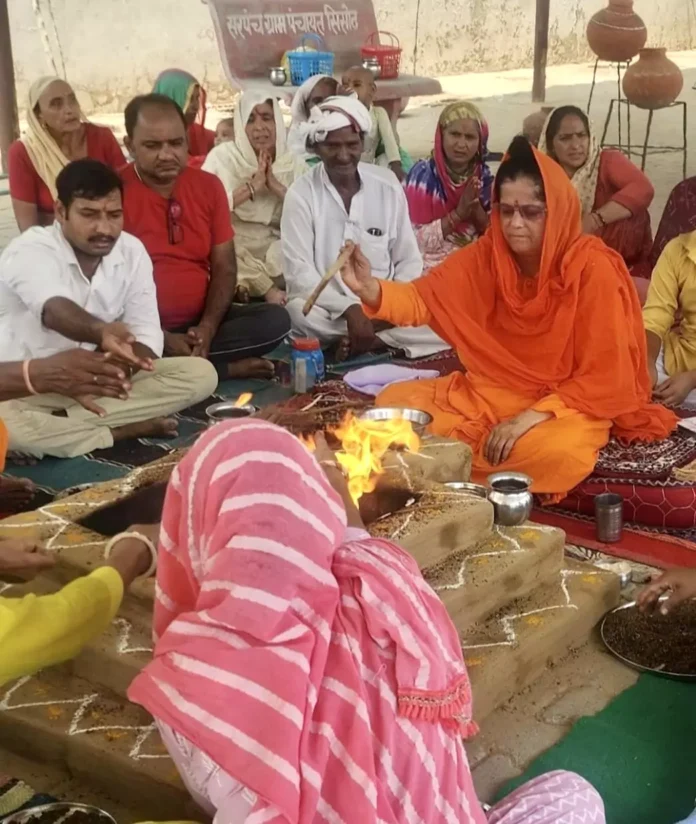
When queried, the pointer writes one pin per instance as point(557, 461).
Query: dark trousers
point(246, 331)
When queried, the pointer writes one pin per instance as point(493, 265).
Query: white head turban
point(333, 114)
point(302, 95)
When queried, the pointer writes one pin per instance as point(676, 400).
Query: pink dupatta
point(325, 677)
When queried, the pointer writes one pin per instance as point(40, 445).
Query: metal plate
point(468, 489)
point(33, 814)
point(229, 411)
point(417, 418)
point(677, 676)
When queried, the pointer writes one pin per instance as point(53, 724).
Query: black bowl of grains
point(661, 644)
point(61, 812)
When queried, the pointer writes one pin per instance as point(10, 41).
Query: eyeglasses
point(174, 213)
point(527, 211)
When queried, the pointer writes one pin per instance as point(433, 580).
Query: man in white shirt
point(343, 199)
point(84, 283)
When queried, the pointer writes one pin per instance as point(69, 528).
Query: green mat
point(639, 752)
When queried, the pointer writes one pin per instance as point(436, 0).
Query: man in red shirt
point(182, 216)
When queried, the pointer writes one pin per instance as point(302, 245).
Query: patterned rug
point(646, 461)
point(656, 481)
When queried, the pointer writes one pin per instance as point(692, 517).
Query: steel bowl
point(512, 501)
point(475, 490)
point(676, 676)
point(418, 419)
point(278, 76)
point(372, 65)
point(65, 807)
point(227, 411)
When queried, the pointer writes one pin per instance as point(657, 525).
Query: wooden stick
point(331, 272)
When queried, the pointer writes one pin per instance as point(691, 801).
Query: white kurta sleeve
point(297, 235)
point(140, 313)
point(406, 257)
point(34, 274)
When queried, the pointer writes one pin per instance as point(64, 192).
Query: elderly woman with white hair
point(339, 200)
point(56, 134)
point(256, 169)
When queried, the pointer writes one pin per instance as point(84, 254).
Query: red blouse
point(622, 181)
point(200, 140)
point(25, 183)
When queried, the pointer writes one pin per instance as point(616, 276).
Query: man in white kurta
point(83, 283)
point(342, 199)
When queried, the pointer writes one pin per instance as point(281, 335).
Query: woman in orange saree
point(546, 322)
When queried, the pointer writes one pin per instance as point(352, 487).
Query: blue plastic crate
point(305, 64)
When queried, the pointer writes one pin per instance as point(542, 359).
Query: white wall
point(112, 49)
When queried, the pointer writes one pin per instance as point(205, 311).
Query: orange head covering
point(581, 334)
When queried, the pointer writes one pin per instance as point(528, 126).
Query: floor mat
point(55, 475)
point(639, 753)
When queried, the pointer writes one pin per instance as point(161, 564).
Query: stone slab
point(114, 658)
point(78, 549)
point(580, 684)
point(509, 563)
point(52, 717)
point(439, 460)
point(438, 524)
point(513, 648)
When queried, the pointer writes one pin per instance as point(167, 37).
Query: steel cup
point(608, 517)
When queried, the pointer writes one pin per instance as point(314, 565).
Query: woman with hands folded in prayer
point(449, 193)
point(546, 322)
point(256, 169)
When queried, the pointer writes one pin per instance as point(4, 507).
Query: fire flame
point(243, 399)
point(364, 444)
point(308, 442)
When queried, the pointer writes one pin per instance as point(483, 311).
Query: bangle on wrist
point(252, 190)
point(139, 537)
point(599, 219)
point(27, 379)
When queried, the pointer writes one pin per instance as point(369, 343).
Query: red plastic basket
point(389, 57)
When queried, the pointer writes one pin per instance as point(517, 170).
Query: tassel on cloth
point(451, 708)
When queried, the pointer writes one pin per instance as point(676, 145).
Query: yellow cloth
point(673, 288)
point(37, 631)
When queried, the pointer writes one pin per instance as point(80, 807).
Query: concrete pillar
point(9, 121)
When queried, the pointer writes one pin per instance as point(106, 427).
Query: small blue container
point(307, 364)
